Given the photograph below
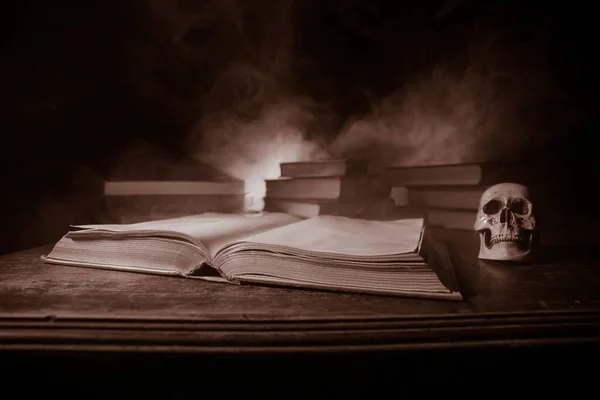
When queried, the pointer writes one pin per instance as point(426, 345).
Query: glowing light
point(252, 151)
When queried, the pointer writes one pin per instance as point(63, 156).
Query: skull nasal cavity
point(506, 216)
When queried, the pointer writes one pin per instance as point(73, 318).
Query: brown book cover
point(457, 197)
point(464, 174)
point(376, 209)
point(324, 168)
point(346, 188)
point(172, 188)
point(148, 207)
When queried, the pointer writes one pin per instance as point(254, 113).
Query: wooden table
point(553, 305)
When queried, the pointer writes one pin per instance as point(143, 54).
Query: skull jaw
point(505, 251)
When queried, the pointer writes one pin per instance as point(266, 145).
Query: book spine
point(364, 187)
point(463, 174)
point(399, 195)
point(304, 188)
point(323, 168)
point(456, 198)
point(375, 209)
point(128, 188)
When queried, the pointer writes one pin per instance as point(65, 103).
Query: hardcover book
point(343, 188)
point(463, 174)
point(121, 209)
point(125, 201)
point(367, 209)
point(341, 167)
point(170, 188)
point(323, 252)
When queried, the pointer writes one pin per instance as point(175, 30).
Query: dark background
point(85, 81)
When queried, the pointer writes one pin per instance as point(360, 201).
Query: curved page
point(143, 254)
point(442, 294)
point(341, 237)
point(396, 279)
point(209, 230)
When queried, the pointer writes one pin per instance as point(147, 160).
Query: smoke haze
point(488, 94)
point(251, 117)
point(245, 85)
point(491, 100)
point(252, 150)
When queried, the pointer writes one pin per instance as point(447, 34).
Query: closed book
point(347, 188)
point(145, 163)
point(148, 207)
point(457, 197)
point(169, 188)
point(324, 168)
point(378, 209)
point(463, 174)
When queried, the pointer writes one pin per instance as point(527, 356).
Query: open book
point(323, 252)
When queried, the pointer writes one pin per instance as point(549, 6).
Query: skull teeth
point(506, 238)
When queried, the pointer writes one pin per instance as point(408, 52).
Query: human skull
point(505, 223)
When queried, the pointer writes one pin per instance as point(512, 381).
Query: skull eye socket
point(519, 207)
point(492, 207)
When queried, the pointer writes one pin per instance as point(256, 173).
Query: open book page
point(212, 230)
point(342, 238)
point(428, 289)
point(236, 227)
point(142, 254)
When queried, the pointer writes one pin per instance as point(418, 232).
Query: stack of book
point(331, 187)
point(179, 191)
point(448, 196)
